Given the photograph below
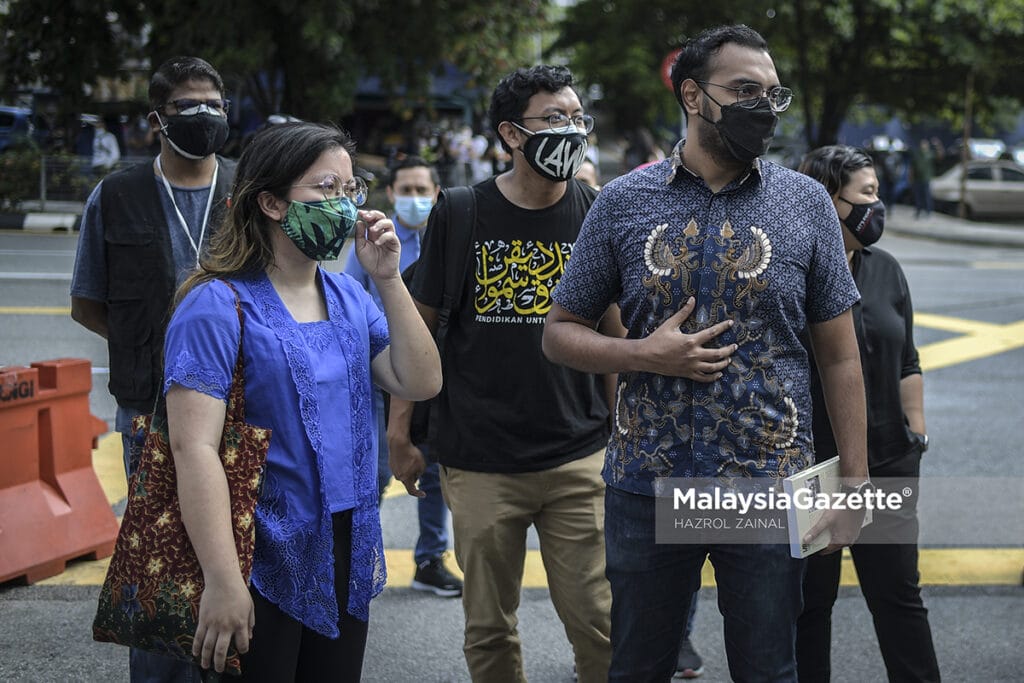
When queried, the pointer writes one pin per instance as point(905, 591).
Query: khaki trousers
point(490, 517)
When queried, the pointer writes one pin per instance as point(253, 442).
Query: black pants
point(283, 650)
point(889, 580)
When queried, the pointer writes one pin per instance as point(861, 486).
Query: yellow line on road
point(34, 310)
point(978, 340)
point(939, 567)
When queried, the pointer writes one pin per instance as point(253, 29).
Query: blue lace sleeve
point(376, 323)
point(202, 341)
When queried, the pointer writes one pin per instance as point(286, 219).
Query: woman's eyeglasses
point(334, 188)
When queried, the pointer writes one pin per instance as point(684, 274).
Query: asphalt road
point(970, 327)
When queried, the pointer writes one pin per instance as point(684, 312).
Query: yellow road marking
point(977, 340)
point(938, 566)
point(35, 310)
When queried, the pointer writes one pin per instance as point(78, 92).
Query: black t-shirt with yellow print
point(505, 407)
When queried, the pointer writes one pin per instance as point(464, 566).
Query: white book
point(822, 477)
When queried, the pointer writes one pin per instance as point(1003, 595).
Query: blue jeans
point(653, 585)
point(143, 666)
point(432, 511)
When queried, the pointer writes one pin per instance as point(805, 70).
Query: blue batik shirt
point(765, 251)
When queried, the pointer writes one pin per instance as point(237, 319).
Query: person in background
point(518, 438)
point(588, 174)
point(717, 259)
point(318, 343)
point(922, 169)
point(897, 438)
point(106, 152)
point(412, 189)
point(143, 229)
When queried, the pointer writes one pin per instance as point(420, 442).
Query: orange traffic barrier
point(52, 508)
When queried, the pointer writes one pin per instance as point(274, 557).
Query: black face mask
point(555, 156)
point(866, 221)
point(195, 136)
point(746, 132)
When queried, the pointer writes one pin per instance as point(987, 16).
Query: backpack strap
point(460, 225)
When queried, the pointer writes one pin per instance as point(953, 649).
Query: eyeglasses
point(559, 122)
point(333, 188)
point(183, 105)
point(749, 95)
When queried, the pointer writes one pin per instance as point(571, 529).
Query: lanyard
point(181, 219)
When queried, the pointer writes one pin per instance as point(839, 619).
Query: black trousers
point(284, 650)
point(889, 580)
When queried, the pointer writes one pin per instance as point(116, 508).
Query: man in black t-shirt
point(520, 439)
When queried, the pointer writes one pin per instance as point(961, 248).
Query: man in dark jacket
point(142, 232)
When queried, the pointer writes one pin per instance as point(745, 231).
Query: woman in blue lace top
point(314, 343)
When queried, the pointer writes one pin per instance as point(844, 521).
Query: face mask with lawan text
point(555, 156)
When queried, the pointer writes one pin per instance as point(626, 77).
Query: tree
point(911, 56)
point(305, 60)
point(66, 44)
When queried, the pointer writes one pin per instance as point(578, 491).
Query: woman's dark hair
point(176, 71)
point(512, 94)
point(833, 165)
point(275, 158)
point(694, 61)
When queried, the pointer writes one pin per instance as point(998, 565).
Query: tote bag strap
point(236, 395)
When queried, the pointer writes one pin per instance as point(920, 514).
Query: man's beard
point(710, 140)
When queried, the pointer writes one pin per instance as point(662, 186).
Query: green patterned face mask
point(319, 229)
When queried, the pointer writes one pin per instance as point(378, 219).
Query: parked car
point(994, 187)
point(19, 123)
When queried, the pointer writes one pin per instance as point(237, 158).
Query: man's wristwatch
point(923, 438)
point(864, 488)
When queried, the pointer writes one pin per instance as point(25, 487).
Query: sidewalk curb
point(40, 221)
point(940, 227)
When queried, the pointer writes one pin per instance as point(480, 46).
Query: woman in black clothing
point(883, 320)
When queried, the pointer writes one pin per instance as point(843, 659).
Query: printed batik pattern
point(748, 411)
point(766, 252)
point(150, 597)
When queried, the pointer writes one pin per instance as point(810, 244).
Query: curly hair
point(512, 94)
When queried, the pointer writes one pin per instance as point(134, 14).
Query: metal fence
point(29, 180)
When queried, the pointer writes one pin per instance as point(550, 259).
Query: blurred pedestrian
point(718, 259)
point(520, 440)
point(887, 568)
point(588, 174)
point(106, 152)
point(320, 343)
point(922, 169)
point(413, 186)
point(142, 232)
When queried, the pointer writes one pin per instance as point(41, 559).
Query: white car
point(994, 187)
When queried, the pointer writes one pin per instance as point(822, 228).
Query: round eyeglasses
point(333, 188)
point(560, 123)
point(749, 95)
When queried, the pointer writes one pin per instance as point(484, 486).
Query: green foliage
point(304, 60)
point(66, 44)
point(910, 57)
point(20, 169)
point(19, 177)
